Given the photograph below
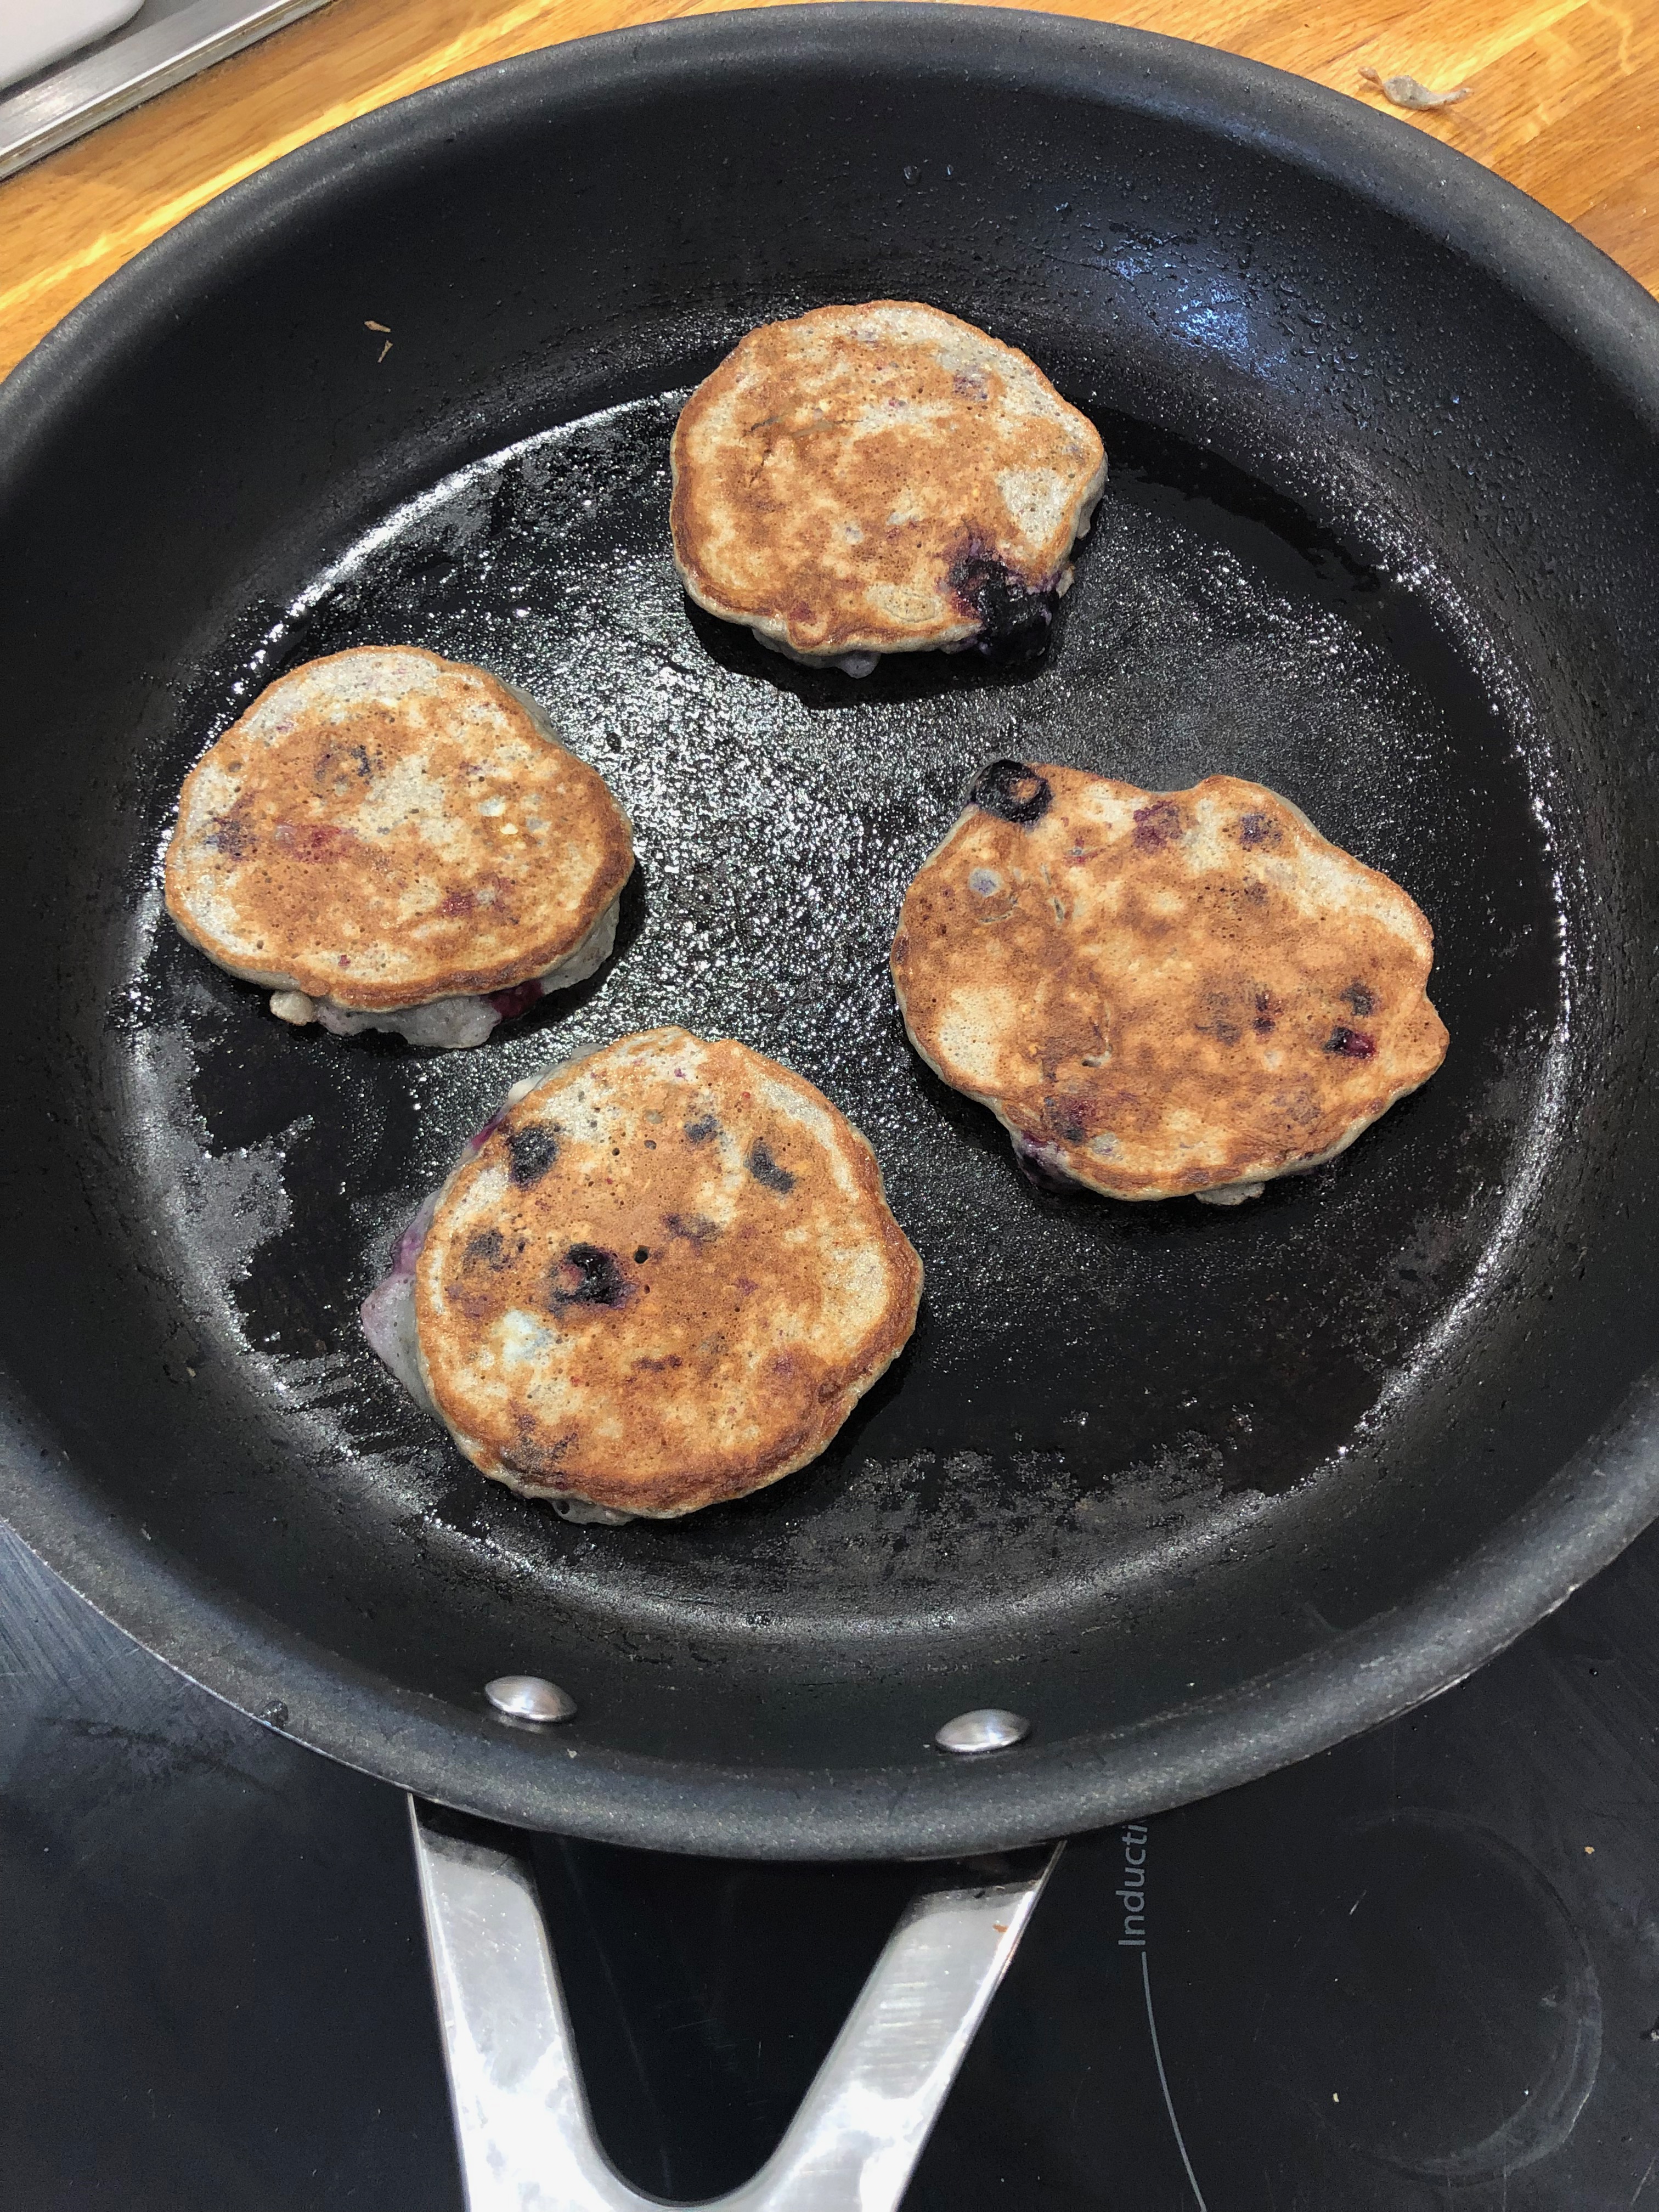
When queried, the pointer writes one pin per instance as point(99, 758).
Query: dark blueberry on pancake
point(588, 1276)
point(1012, 791)
point(1014, 621)
point(533, 1150)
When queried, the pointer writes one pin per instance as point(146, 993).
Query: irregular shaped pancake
point(391, 841)
point(664, 1277)
point(1162, 993)
point(881, 479)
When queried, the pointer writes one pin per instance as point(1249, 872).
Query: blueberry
point(533, 1152)
point(1157, 825)
point(765, 1169)
point(518, 999)
point(230, 834)
point(1014, 621)
point(1012, 792)
point(587, 1276)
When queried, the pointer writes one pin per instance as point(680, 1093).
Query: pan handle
point(525, 2136)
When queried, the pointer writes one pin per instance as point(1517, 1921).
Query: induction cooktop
point(1419, 1973)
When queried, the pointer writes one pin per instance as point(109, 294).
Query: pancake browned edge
point(882, 478)
point(664, 1277)
point(1161, 993)
point(384, 832)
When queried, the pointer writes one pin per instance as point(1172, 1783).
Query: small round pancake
point(382, 829)
point(665, 1278)
point(1162, 993)
point(876, 479)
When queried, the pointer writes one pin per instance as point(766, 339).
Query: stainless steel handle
point(527, 2140)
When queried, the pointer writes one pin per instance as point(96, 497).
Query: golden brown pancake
point(383, 828)
point(881, 479)
point(1162, 993)
point(665, 1278)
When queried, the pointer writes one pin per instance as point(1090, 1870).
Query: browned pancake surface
point(847, 480)
point(664, 1278)
point(1163, 992)
point(383, 828)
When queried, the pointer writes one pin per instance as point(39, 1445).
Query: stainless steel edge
point(63, 103)
point(521, 2118)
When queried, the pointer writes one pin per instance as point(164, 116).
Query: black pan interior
point(1194, 1490)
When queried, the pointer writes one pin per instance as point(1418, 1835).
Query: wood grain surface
point(1563, 98)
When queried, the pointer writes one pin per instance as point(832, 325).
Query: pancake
point(883, 478)
point(387, 840)
point(662, 1277)
point(1161, 993)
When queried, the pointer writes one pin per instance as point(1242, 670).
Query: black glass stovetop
point(1420, 1972)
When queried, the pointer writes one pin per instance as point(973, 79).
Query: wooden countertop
point(1564, 97)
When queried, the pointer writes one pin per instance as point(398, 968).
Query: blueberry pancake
point(883, 478)
point(1163, 993)
point(389, 841)
point(662, 1278)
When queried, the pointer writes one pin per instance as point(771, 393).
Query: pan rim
point(1576, 1523)
point(1604, 1496)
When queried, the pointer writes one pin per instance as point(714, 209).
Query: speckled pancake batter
point(1161, 993)
point(383, 828)
point(664, 1277)
point(880, 479)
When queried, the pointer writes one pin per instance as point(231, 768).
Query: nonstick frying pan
point(1194, 1491)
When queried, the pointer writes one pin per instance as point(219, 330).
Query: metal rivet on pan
point(528, 1698)
point(987, 1729)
